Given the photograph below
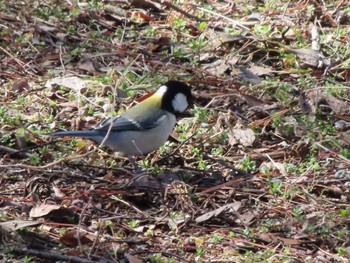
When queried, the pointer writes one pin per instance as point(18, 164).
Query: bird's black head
point(177, 96)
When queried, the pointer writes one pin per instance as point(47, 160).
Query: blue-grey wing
point(123, 123)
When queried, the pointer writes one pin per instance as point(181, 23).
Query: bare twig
point(32, 167)
point(50, 255)
point(79, 224)
point(234, 22)
point(127, 204)
point(170, 5)
point(14, 152)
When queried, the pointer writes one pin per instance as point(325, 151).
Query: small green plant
point(150, 232)
point(246, 231)
point(345, 152)
point(166, 148)
point(91, 111)
point(52, 104)
point(195, 151)
point(108, 223)
point(45, 12)
point(343, 251)
point(217, 238)
point(311, 164)
point(34, 159)
point(232, 30)
point(262, 29)
point(21, 100)
point(275, 186)
point(247, 164)
point(6, 139)
point(20, 39)
point(217, 151)
point(200, 251)
point(201, 114)
point(95, 4)
point(298, 213)
point(322, 231)
point(134, 223)
point(222, 138)
point(156, 169)
point(150, 31)
point(198, 43)
point(173, 214)
point(270, 5)
point(74, 142)
point(187, 177)
point(145, 163)
point(344, 212)
point(3, 112)
point(28, 259)
point(75, 11)
point(264, 229)
point(231, 234)
point(179, 52)
point(158, 258)
point(202, 25)
point(265, 170)
point(341, 233)
point(179, 23)
point(11, 119)
point(76, 53)
point(202, 164)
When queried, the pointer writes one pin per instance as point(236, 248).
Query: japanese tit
point(144, 127)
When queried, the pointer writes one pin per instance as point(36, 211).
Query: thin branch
point(51, 255)
point(170, 5)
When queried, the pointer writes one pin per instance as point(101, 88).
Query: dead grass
point(258, 173)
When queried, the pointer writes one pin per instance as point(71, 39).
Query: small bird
point(144, 127)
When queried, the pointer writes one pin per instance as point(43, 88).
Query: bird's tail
point(85, 134)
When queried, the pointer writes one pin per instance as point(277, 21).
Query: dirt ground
point(258, 170)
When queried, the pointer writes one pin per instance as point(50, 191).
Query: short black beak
point(186, 114)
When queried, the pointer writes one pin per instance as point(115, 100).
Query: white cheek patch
point(180, 103)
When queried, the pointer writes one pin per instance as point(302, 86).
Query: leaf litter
point(258, 173)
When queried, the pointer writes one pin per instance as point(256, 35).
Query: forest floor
point(258, 171)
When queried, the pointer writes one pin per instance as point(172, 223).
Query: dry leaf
point(315, 36)
point(253, 101)
point(21, 86)
point(43, 210)
point(74, 83)
point(248, 75)
point(260, 71)
point(70, 237)
point(12, 225)
point(273, 167)
point(232, 206)
point(87, 65)
point(310, 57)
point(271, 238)
point(337, 105)
point(57, 192)
point(304, 103)
point(315, 96)
point(145, 4)
point(245, 137)
point(133, 259)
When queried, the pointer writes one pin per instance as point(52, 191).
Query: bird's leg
point(133, 162)
point(139, 169)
